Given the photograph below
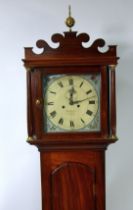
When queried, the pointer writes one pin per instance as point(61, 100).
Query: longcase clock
point(71, 118)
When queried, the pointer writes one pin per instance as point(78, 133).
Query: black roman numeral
point(92, 102)
point(89, 91)
point(82, 120)
point(81, 84)
point(89, 112)
point(61, 121)
point(52, 92)
point(72, 124)
point(53, 114)
point(70, 81)
point(60, 84)
point(50, 103)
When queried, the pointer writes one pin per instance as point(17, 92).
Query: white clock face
point(71, 103)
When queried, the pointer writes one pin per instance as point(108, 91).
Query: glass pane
point(72, 102)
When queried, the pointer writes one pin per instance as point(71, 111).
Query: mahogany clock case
point(73, 179)
point(71, 58)
point(37, 116)
point(72, 163)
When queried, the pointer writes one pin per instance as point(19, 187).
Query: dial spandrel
point(72, 103)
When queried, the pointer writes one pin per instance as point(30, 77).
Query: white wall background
point(22, 23)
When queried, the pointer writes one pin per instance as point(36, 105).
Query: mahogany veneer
point(72, 164)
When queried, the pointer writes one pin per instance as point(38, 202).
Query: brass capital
point(28, 69)
point(114, 137)
point(112, 67)
point(30, 138)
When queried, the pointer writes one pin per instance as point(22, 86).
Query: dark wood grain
point(70, 182)
point(70, 54)
point(72, 164)
point(30, 128)
point(73, 180)
point(113, 103)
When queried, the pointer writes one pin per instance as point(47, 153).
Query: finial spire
point(69, 10)
point(70, 20)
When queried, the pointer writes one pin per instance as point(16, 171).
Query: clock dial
point(71, 103)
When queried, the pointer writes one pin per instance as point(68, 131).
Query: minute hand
point(78, 101)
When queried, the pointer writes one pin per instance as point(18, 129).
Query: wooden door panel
point(73, 187)
point(73, 180)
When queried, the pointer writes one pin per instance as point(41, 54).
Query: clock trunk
point(73, 180)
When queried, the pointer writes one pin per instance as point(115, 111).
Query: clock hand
point(78, 101)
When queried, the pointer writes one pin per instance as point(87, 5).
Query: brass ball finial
point(70, 22)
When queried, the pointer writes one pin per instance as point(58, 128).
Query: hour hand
point(79, 101)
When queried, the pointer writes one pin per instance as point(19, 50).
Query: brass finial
point(29, 138)
point(70, 20)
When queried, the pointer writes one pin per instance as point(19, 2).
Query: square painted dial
point(72, 103)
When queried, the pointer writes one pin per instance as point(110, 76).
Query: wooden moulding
point(72, 164)
point(70, 56)
point(70, 52)
point(93, 144)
